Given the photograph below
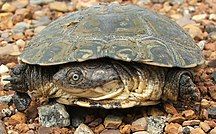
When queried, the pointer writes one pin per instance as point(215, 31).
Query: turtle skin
point(104, 82)
point(149, 55)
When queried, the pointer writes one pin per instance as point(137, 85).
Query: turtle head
point(89, 79)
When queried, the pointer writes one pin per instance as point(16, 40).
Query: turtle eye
point(74, 76)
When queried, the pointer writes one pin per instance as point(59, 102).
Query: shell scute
point(124, 32)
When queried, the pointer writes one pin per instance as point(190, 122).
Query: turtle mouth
point(108, 90)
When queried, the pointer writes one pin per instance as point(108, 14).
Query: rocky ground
point(20, 20)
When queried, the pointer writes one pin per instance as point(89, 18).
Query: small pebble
point(173, 128)
point(53, 115)
point(211, 123)
point(187, 130)
point(12, 132)
point(43, 21)
point(112, 121)
point(205, 103)
point(156, 124)
point(213, 131)
point(141, 132)
point(20, 117)
point(40, 1)
point(197, 131)
point(6, 99)
point(194, 31)
point(20, 27)
point(20, 43)
point(6, 112)
point(205, 127)
point(139, 125)
point(189, 114)
point(3, 69)
point(199, 17)
point(22, 128)
point(44, 130)
point(177, 118)
point(20, 3)
point(58, 6)
point(212, 36)
point(83, 129)
point(210, 46)
point(8, 7)
point(125, 129)
point(191, 123)
point(110, 131)
point(99, 129)
point(201, 44)
point(212, 112)
point(6, 21)
point(212, 17)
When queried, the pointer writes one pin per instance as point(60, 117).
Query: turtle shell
point(124, 32)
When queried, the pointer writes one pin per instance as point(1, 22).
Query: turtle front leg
point(179, 86)
point(17, 79)
point(21, 99)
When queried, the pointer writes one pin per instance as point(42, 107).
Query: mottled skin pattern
point(103, 82)
point(144, 51)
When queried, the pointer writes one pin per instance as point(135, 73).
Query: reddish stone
point(205, 126)
point(177, 118)
point(125, 129)
point(99, 129)
point(170, 109)
point(189, 114)
point(211, 123)
point(20, 117)
point(197, 131)
point(173, 128)
point(191, 123)
point(210, 46)
point(139, 125)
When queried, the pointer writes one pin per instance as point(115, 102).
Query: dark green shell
point(125, 32)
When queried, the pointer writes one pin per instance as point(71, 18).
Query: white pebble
point(199, 17)
point(3, 69)
point(6, 112)
point(212, 16)
point(201, 44)
point(20, 43)
point(12, 132)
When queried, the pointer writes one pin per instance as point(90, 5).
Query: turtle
point(108, 56)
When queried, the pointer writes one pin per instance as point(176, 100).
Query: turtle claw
point(21, 101)
point(14, 87)
point(12, 79)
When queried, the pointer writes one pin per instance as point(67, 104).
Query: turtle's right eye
point(74, 76)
